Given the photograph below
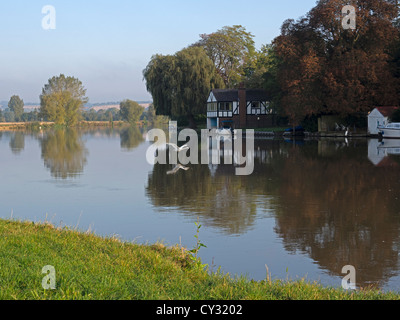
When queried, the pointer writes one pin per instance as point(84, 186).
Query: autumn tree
point(299, 74)
point(62, 100)
point(331, 70)
point(180, 83)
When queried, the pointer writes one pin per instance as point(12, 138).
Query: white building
point(379, 117)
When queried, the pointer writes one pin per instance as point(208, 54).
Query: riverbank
point(90, 267)
point(4, 126)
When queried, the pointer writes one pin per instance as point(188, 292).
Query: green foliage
point(197, 247)
point(62, 99)
point(181, 83)
point(130, 111)
point(112, 114)
point(232, 51)
point(16, 105)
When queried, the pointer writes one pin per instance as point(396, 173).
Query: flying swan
point(176, 169)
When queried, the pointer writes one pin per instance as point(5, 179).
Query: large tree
point(264, 75)
point(232, 51)
point(180, 83)
point(130, 111)
point(16, 105)
point(328, 69)
point(62, 99)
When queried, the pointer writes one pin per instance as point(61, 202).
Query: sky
point(107, 43)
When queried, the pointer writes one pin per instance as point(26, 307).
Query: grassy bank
point(91, 267)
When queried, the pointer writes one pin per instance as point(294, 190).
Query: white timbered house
point(238, 108)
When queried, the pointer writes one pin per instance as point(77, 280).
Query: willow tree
point(180, 83)
point(62, 100)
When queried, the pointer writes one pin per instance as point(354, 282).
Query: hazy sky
point(107, 43)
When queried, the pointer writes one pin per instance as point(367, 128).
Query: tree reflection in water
point(131, 138)
point(17, 142)
point(63, 152)
point(329, 202)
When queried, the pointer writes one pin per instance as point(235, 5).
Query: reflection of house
point(379, 151)
point(239, 108)
point(379, 117)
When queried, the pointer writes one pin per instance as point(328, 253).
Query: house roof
point(226, 94)
point(233, 94)
point(387, 111)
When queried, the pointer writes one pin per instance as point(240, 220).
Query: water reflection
point(340, 210)
point(384, 152)
point(63, 152)
point(333, 201)
point(131, 138)
point(17, 142)
point(328, 200)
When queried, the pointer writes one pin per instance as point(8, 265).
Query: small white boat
point(391, 130)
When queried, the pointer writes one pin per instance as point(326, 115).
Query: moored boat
point(391, 130)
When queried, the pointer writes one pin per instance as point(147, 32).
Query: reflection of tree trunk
point(192, 123)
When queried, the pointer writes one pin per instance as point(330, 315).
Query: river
point(310, 207)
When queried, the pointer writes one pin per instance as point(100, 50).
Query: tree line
point(314, 67)
point(62, 101)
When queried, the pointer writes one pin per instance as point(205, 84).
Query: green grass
point(92, 267)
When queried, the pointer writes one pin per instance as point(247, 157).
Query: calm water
point(310, 207)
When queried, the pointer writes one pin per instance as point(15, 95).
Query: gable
point(375, 114)
point(211, 98)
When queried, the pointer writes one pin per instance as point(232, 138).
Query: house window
point(255, 105)
point(225, 106)
point(212, 107)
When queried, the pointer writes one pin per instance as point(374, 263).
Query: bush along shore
point(89, 267)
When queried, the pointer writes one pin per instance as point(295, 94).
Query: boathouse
point(239, 108)
point(379, 116)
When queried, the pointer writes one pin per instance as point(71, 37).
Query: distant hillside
point(30, 106)
point(110, 105)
